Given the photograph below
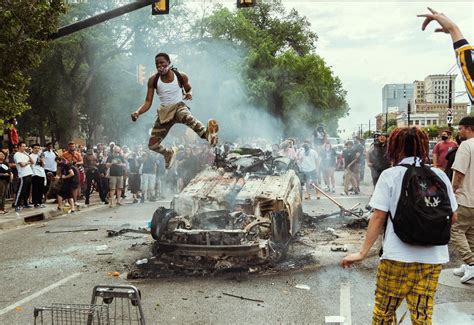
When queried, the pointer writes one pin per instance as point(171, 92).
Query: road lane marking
point(345, 303)
point(38, 293)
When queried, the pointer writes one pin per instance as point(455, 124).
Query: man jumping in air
point(172, 87)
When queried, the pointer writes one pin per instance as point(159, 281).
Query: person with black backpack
point(416, 204)
point(172, 87)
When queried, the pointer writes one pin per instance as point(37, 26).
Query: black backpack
point(177, 74)
point(424, 211)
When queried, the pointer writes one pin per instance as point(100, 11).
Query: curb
point(15, 220)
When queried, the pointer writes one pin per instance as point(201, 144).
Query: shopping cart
point(110, 305)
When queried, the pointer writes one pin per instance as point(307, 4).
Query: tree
point(25, 25)
point(282, 71)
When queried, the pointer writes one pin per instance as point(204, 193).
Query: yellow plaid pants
point(415, 282)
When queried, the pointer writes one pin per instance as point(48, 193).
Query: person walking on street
point(408, 270)
point(350, 167)
point(308, 163)
point(462, 233)
point(116, 165)
point(463, 167)
point(172, 87)
point(328, 165)
point(441, 150)
point(377, 157)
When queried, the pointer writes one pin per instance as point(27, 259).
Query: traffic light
point(141, 74)
point(246, 3)
point(160, 7)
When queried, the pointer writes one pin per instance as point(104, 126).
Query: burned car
point(242, 211)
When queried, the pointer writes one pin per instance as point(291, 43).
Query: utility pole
point(409, 111)
point(94, 20)
point(449, 116)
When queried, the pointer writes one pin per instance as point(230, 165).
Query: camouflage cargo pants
point(159, 131)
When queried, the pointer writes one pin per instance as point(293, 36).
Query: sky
point(370, 44)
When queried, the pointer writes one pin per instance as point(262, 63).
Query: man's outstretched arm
point(376, 223)
point(148, 100)
point(464, 51)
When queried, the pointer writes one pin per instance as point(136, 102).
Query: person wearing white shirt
point(405, 271)
point(38, 179)
point(308, 162)
point(23, 164)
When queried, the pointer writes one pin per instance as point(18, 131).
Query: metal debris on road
point(302, 286)
point(243, 298)
point(101, 247)
point(143, 261)
point(339, 248)
point(64, 231)
point(121, 231)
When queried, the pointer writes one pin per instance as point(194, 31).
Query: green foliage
point(25, 25)
point(282, 72)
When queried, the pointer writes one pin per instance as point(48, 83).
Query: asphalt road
point(40, 265)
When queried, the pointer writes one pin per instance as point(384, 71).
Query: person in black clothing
point(91, 166)
point(5, 177)
point(70, 181)
point(116, 164)
point(376, 157)
point(134, 175)
point(450, 158)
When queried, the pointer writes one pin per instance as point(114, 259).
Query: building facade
point(437, 88)
point(395, 97)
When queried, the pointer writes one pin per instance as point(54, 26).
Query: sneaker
point(87, 202)
point(170, 156)
point(211, 132)
point(17, 209)
point(460, 270)
point(327, 189)
point(333, 190)
point(468, 273)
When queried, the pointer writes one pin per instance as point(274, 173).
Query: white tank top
point(169, 92)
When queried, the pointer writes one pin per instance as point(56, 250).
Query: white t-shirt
point(308, 162)
point(38, 170)
point(464, 163)
point(385, 198)
point(50, 161)
point(22, 157)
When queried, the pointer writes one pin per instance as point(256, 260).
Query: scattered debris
point(339, 248)
point(143, 261)
point(74, 230)
point(243, 298)
point(101, 247)
point(114, 273)
point(359, 223)
point(124, 229)
point(105, 253)
point(302, 286)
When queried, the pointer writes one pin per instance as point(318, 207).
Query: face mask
point(444, 137)
point(163, 70)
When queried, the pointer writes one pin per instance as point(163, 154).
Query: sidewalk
point(26, 216)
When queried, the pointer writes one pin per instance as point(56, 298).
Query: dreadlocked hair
point(408, 142)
